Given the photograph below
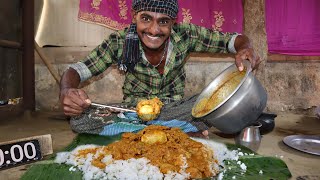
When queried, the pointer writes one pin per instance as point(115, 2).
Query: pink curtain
point(222, 15)
point(293, 27)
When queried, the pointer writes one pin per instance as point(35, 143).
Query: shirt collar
point(174, 36)
point(169, 51)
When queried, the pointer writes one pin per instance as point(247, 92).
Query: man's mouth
point(153, 37)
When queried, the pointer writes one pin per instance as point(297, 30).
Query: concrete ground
point(302, 165)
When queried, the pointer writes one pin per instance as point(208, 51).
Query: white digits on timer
point(22, 152)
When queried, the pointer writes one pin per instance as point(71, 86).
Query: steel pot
point(239, 109)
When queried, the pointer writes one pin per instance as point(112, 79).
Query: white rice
point(220, 150)
point(137, 169)
point(134, 169)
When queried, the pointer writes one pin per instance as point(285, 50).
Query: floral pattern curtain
point(221, 15)
point(293, 27)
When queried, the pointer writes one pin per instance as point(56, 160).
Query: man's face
point(153, 28)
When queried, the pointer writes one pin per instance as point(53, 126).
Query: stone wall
point(291, 85)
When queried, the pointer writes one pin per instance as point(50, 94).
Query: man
point(152, 52)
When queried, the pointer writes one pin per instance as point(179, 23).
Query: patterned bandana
point(131, 53)
point(168, 7)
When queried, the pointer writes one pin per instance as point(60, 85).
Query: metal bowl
point(240, 108)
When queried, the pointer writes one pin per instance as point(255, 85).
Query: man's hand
point(201, 134)
point(245, 52)
point(74, 101)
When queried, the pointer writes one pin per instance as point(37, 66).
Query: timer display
point(18, 153)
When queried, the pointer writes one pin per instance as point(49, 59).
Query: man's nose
point(154, 28)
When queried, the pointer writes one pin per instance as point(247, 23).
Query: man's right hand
point(74, 101)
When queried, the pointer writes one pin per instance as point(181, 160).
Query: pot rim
point(247, 64)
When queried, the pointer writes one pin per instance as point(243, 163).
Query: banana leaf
point(258, 167)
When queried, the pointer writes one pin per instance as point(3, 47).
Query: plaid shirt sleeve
point(208, 40)
point(100, 58)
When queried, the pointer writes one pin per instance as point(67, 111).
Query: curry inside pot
point(221, 93)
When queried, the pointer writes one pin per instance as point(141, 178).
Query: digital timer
point(19, 153)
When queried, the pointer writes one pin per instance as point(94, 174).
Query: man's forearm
point(69, 79)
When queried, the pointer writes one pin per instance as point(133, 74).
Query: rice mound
point(133, 169)
point(96, 164)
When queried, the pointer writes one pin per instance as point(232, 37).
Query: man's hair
point(168, 7)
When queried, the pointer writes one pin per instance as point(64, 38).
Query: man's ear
point(174, 21)
point(134, 16)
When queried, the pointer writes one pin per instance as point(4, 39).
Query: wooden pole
point(28, 55)
point(46, 61)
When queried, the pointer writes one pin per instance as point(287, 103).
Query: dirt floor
point(302, 165)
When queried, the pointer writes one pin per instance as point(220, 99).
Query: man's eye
point(145, 19)
point(164, 22)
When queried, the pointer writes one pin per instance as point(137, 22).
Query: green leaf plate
point(258, 167)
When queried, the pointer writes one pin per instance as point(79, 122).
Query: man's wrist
point(63, 91)
point(231, 44)
point(82, 70)
point(242, 42)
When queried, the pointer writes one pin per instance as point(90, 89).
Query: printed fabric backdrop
point(293, 27)
point(221, 15)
